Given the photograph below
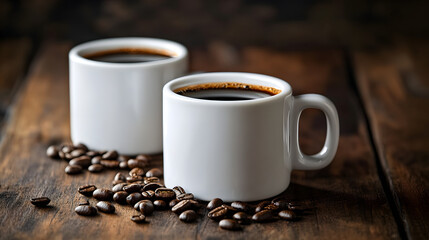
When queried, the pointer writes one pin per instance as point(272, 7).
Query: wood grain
point(344, 200)
point(394, 84)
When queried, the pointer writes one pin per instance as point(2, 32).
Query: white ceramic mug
point(239, 150)
point(119, 105)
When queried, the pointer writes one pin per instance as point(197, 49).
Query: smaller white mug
point(119, 105)
point(239, 150)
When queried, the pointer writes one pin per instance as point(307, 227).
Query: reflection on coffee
point(227, 91)
point(130, 55)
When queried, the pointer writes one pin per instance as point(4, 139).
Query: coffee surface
point(130, 55)
point(227, 91)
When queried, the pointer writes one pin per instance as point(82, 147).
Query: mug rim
point(112, 43)
point(286, 89)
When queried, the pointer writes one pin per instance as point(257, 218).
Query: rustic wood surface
point(345, 200)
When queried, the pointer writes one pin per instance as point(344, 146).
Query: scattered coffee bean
point(133, 198)
point(112, 164)
point(136, 163)
point(138, 218)
point(77, 153)
point(148, 180)
point(136, 172)
point(119, 187)
point(87, 190)
point(241, 206)
point(86, 210)
point(263, 216)
point(82, 147)
point(40, 201)
point(185, 196)
point(120, 197)
point(123, 158)
point(68, 156)
point(135, 187)
point(73, 169)
point(173, 203)
point(160, 204)
point(52, 152)
point(120, 176)
point(123, 165)
point(92, 154)
point(154, 172)
point(262, 205)
point(103, 194)
point(281, 203)
point(218, 213)
point(143, 157)
point(271, 207)
point(165, 193)
point(231, 210)
point(62, 155)
point(146, 207)
point(293, 206)
point(182, 206)
point(105, 207)
point(96, 160)
point(110, 155)
point(95, 168)
point(67, 149)
point(83, 161)
point(152, 186)
point(149, 194)
point(188, 216)
point(287, 215)
point(217, 202)
point(83, 201)
point(114, 182)
point(178, 190)
point(132, 179)
point(241, 217)
point(229, 224)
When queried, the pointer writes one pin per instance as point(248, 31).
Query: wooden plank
point(344, 200)
point(394, 84)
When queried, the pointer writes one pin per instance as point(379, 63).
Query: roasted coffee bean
point(148, 180)
point(143, 157)
point(138, 218)
point(119, 187)
point(81, 146)
point(77, 153)
point(160, 204)
point(120, 176)
point(173, 203)
point(123, 158)
point(146, 207)
point(241, 206)
point(133, 163)
point(103, 194)
point(185, 196)
point(154, 172)
point(92, 154)
point(87, 190)
point(95, 168)
point(132, 179)
point(149, 194)
point(182, 206)
point(73, 169)
point(110, 155)
point(67, 149)
point(40, 201)
point(68, 156)
point(178, 190)
point(152, 186)
point(188, 216)
point(86, 210)
point(83, 201)
point(112, 164)
point(123, 165)
point(287, 215)
point(114, 182)
point(263, 216)
point(105, 207)
point(136, 172)
point(120, 197)
point(231, 210)
point(132, 188)
point(241, 217)
point(165, 193)
point(52, 152)
point(83, 161)
point(96, 160)
point(229, 224)
point(218, 213)
point(217, 202)
point(272, 207)
point(293, 206)
point(262, 205)
point(133, 198)
point(281, 203)
point(62, 155)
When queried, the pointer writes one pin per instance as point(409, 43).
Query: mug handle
point(301, 161)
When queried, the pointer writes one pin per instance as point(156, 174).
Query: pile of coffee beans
point(145, 192)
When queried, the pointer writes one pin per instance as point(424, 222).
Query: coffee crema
point(130, 55)
point(227, 91)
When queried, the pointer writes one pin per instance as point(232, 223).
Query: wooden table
point(376, 187)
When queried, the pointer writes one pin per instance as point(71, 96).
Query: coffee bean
point(52, 152)
point(82, 147)
point(92, 154)
point(138, 218)
point(135, 163)
point(241, 206)
point(173, 203)
point(86, 210)
point(160, 204)
point(132, 188)
point(152, 186)
point(229, 224)
point(136, 172)
point(77, 153)
point(148, 180)
point(120, 197)
point(218, 213)
point(103, 194)
point(123, 165)
point(119, 176)
point(178, 190)
point(281, 203)
point(262, 205)
point(123, 158)
point(67, 149)
point(95, 168)
point(119, 187)
point(143, 157)
point(188, 216)
point(182, 206)
point(133, 198)
point(105, 207)
point(83, 201)
point(154, 172)
point(263, 216)
point(96, 160)
point(241, 217)
point(146, 207)
point(287, 215)
point(40, 201)
point(214, 203)
point(115, 182)
point(231, 210)
point(165, 193)
point(110, 155)
point(149, 194)
point(83, 161)
point(185, 196)
point(112, 164)
point(68, 156)
point(73, 169)
point(62, 155)
point(293, 206)
point(131, 179)
point(87, 190)
point(271, 207)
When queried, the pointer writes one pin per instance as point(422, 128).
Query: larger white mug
point(239, 150)
point(118, 106)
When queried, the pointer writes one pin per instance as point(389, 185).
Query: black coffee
point(227, 91)
point(130, 55)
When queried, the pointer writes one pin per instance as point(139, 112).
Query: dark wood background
point(370, 57)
